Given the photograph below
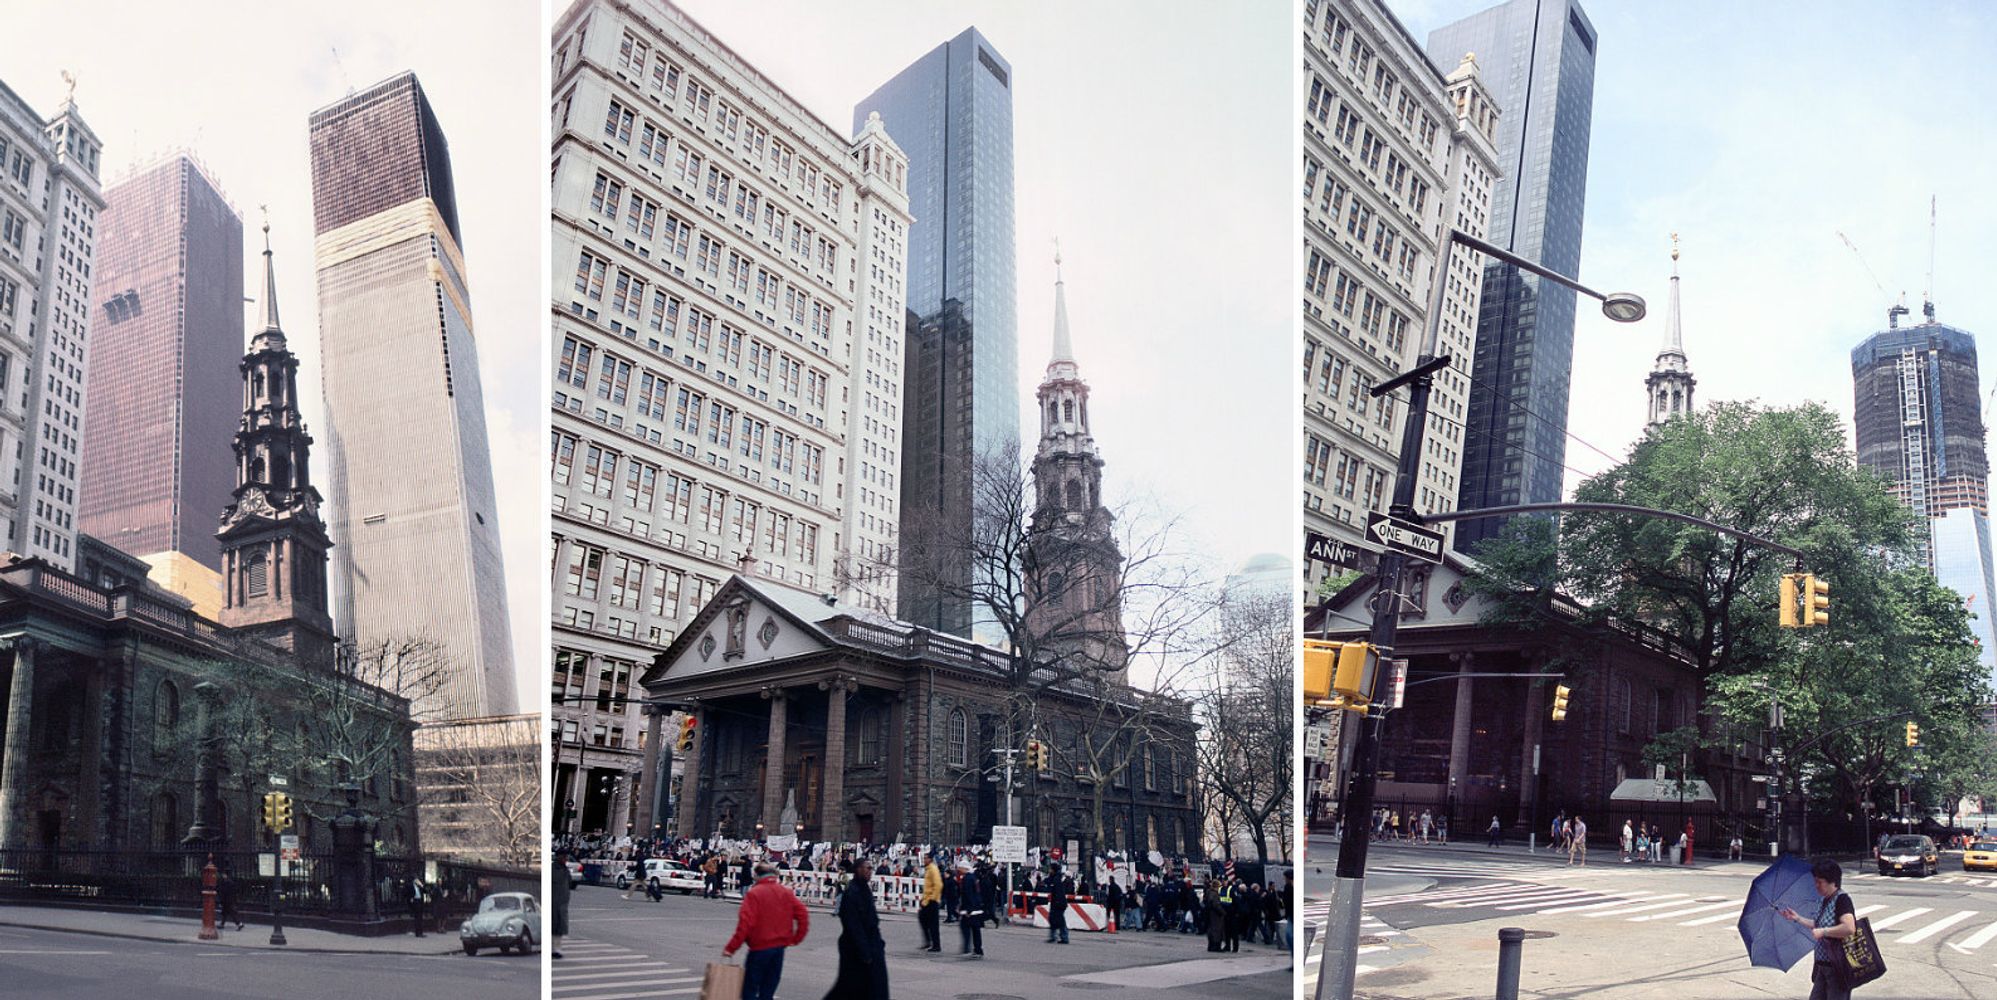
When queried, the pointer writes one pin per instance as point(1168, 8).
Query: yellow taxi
point(1980, 855)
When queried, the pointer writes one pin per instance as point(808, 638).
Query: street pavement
point(1628, 930)
point(636, 948)
point(40, 962)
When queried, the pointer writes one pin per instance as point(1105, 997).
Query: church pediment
point(740, 628)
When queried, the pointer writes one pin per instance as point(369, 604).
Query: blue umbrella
point(1772, 939)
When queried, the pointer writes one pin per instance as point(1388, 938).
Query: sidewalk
point(1324, 853)
point(181, 930)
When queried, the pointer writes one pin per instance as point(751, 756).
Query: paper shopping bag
point(723, 982)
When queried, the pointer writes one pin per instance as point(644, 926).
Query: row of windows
point(646, 488)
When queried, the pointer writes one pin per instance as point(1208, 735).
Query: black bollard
point(1510, 942)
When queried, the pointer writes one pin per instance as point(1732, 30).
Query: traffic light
point(1036, 756)
point(270, 810)
point(1353, 680)
point(1790, 588)
point(687, 727)
point(1816, 601)
point(281, 814)
point(1320, 655)
point(1560, 693)
point(1913, 734)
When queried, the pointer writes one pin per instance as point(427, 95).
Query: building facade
point(827, 721)
point(728, 318)
point(49, 207)
point(478, 788)
point(1918, 417)
point(162, 385)
point(134, 725)
point(951, 113)
point(1539, 62)
point(416, 553)
point(1395, 154)
point(1668, 388)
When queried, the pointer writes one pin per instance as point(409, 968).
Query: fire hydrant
point(208, 932)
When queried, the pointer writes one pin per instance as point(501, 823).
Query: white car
point(668, 875)
point(506, 920)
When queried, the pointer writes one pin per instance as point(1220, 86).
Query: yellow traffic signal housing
point(282, 813)
point(1816, 601)
point(1354, 679)
point(1913, 734)
point(1320, 655)
point(1560, 692)
point(1789, 599)
point(688, 726)
point(270, 810)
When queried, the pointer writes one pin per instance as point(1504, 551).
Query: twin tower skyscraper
point(406, 466)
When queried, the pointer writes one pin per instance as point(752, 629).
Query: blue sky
point(1758, 132)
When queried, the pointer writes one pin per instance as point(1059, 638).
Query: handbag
point(722, 982)
point(1859, 961)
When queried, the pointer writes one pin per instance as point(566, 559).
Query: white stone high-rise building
point(1395, 153)
point(728, 319)
point(49, 200)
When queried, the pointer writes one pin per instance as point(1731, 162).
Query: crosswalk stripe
point(1702, 921)
point(637, 969)
point(1863, 910)
point(1976, 940)
point(1902, 917)
point(1937, 927)
point(1579, 894)
point(1540, 895)
point(1727, 905)
point(1613, 902)
point(1638, 909)
point(648, 993)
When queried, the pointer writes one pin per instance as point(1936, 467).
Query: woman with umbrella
point(1834, 921)
point(863, 963)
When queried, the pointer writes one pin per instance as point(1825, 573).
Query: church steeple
point(273, 541)
point(1670, 384)
point(1076, 568)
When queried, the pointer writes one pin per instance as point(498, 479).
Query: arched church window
point(871, 738)
point(1053, 412)
point(1074, 495)
point(1068, 411)
point(166, 716)
point(256, 574)
point(958, 733)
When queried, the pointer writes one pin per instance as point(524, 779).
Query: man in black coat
point(1058, 888)
point(863, 962)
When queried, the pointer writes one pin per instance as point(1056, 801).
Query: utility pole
point(1008, 755)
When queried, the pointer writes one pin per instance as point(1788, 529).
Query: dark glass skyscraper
point(951, 112)
point(1538, 59)
point(409, 474)
point(161, 405)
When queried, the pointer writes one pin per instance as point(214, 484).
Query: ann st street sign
point(1331, 551)
point(1406, 536)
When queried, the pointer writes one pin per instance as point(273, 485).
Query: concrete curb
point(128, 936)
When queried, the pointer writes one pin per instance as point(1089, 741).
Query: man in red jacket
point(771, 919)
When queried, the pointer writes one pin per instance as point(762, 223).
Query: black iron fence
point(165, 879)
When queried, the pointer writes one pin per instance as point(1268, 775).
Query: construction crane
point(1898, 308)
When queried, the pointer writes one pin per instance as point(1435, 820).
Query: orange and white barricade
point(1082, 916)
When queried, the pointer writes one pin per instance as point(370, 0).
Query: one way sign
point(1408, 537)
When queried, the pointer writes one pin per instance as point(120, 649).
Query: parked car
point(1909, 853)
point(506, 920)
point(1979, 855)
point(668, 875)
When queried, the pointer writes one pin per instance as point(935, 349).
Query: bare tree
point(1245, 751)
point(486, 775)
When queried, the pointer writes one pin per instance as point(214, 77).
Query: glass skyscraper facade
point(162, 392)
point(415, 532)
point(951, 113)
point(1538, 60)
point(1961, 540)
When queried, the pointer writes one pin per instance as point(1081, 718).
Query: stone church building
point(839, 724)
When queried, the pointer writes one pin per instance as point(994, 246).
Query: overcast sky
point(234, 81)
point(1158, 150)
point(1759, 132)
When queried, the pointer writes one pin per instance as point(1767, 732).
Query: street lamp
point(1341, 946)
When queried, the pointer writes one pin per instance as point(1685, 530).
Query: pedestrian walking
point(1834, 921)
point(863, 960)
point(1216, 914)
point(560, 884)
point(1628, 841)
point(1427, 826)
point(1442, 830)
point(225, 893)
point(1733, 847)
point(929, 904)
point(1577, 843)
point(971, 914)
point(951, 885)
point(1495, 833)
point(771, 919)
point(416, 904)
point(1058, 887)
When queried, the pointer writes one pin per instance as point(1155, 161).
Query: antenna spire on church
point(270, 324)
point(1064, 348)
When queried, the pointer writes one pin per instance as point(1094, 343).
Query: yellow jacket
point(932, 884)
